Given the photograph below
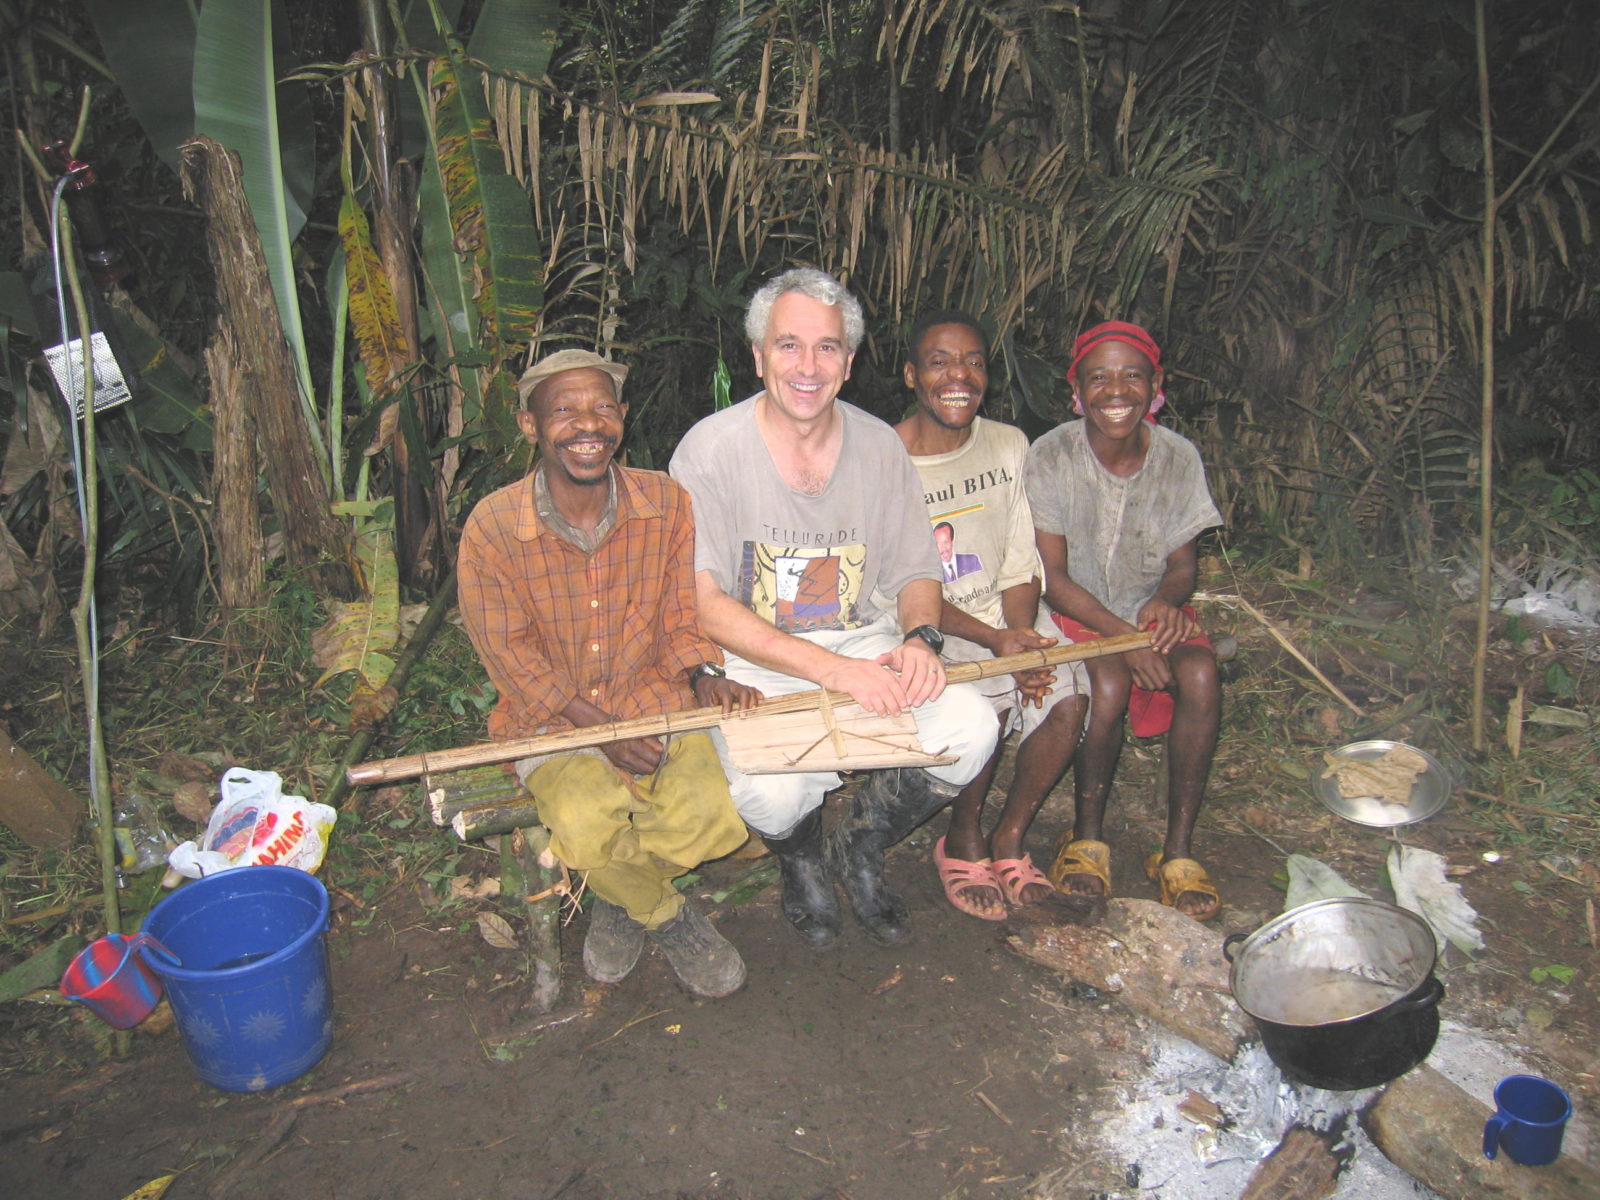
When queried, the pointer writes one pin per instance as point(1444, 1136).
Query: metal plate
point(1428, 793)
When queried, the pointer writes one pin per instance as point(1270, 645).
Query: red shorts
point(1149, 713)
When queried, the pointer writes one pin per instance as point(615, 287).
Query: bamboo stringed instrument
point(771, 743)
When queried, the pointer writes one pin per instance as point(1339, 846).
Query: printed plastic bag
point(257, 825)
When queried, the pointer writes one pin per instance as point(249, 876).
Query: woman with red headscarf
point(1118, 502)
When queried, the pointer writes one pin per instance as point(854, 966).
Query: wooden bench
point(490, 801)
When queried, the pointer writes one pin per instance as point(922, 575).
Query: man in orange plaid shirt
point(577, 590)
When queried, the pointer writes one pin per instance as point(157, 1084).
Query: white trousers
point(961, 722)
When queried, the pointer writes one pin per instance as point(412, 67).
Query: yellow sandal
point(1180, 875)
point(1083, 857)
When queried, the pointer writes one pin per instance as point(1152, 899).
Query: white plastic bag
point(257, 825)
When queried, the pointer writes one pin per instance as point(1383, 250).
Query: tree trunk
point(523, 875)
point(314, 541)
point(233, 481)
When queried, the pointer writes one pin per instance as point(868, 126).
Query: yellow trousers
point(633, 835)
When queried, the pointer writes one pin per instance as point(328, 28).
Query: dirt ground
point(949, 1068)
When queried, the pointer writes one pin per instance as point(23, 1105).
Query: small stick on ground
point(278, 1129)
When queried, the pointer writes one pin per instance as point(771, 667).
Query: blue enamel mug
point(1530, 1117)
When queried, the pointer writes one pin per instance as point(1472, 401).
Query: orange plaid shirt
point(616, 627)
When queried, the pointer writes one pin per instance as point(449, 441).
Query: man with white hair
point(816, 567)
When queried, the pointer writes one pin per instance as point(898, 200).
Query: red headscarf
point(1116, 331)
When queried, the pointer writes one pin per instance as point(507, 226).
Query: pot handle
point(1229, 942)
point(1429, 998)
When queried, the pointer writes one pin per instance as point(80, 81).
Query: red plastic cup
point(112, 981)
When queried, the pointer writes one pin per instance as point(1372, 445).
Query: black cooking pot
point(1342, 991)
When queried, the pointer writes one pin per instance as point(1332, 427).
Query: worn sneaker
point(705, 962)
point(612, 945)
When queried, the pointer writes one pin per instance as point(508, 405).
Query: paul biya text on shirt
point(971, 485)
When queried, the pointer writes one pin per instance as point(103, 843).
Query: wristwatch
point(929, 634)
point(705, 670)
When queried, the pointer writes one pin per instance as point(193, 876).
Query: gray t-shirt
point(806, 563)
point(1119, 531)
point(977, 490)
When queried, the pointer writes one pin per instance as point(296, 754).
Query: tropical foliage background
point(1289, 194)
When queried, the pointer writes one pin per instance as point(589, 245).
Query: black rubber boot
point(808, 899)
point(885, 809)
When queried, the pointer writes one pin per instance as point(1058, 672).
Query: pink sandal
point(1015, 874)
point(960, 876)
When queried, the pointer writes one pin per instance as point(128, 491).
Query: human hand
point(920, 670)
point(636, 756)
point(1168, 624)
point(1006, 642)
point(725, 693)
point(866, 682)
point(1149, 669)
point(1035, 684)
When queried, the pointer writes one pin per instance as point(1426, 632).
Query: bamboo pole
point(1480, 645)
point(441, 762)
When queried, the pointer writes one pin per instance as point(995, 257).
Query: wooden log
point(1303, 1167)
point(34, 804)
point(528, 873)
point(1433, 1130)
point(490, 817)
point(449, 794)
point(1159, 963)
point(441, 762)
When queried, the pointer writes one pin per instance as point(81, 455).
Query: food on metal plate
point(1387, 778)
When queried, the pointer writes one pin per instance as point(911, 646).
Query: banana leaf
point(489, 211)
point(361, 637)
point(150, 49)
point(238, 102)
point(516, 35)
point(449, 304)
point(167, 400)
point(374, 317)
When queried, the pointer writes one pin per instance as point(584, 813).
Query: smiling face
point(1116, 384)
point(575, 419)
point(949, 372)
point(944, 537)
point(804, 359)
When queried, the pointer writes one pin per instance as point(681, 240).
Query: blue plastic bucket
point(251, 998)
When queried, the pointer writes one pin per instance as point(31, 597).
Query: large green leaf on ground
point(489, 212)
point(150, 48)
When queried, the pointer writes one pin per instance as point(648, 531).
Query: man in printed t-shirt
point(808, 517)
point(971, 470)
